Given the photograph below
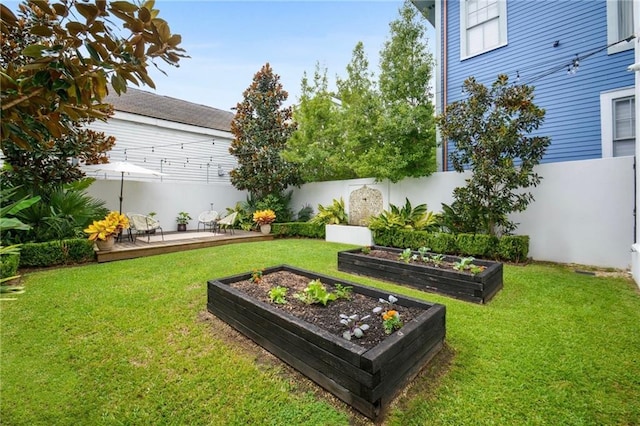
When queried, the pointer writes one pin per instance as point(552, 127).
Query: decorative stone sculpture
point(364, 203)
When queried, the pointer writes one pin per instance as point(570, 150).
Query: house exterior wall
point(184, 153)
point(576, 216)
point(572, 102)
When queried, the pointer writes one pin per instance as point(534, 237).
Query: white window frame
point(606, 117)
point(502, 25)
point(612, 27)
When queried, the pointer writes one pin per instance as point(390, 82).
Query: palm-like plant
point(406, 217)
point(334, 214)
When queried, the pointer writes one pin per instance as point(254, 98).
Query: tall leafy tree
point(58, 59)
point(316, 144)
point(407, 126)
point(490, 131)
point(261, 128)
point(359, 114)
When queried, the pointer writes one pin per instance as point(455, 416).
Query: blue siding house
point(574, 52)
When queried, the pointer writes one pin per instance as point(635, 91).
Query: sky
point(229, 41)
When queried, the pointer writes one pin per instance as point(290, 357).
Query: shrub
point(513, 247)
point(298, 229)
point(9, 265)
point(477, 244)
point(56, 253)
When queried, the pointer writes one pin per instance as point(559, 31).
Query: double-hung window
point(483, 26)
point(619, 24)
point(618, 121)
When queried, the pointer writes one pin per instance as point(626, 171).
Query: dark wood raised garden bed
point(366, 379)
point(479, 288)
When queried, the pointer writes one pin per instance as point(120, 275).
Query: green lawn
point(128, 343)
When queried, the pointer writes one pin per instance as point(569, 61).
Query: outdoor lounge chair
point(142, 224)
point(227, 222)
point(208, 219)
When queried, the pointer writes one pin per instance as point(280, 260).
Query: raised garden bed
point(367, 378)
point(478, 288)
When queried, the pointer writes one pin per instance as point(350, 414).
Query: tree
point(317, 142)
point(73, 52)
point(261, 128)
point(359, 115)
point(407, 126)
point(489, 131)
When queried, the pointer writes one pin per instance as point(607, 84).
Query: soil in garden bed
point(326, 317)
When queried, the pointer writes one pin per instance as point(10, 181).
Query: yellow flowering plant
point(264, 217)
point(110, 226)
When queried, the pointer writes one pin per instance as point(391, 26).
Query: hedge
point(298, 229)
point(9, 265)
point(513, 248)
point(53, 253)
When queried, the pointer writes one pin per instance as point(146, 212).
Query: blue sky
point(230, 41)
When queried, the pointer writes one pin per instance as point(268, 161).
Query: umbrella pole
point(121, 184)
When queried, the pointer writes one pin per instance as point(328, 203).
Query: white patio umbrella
point(121, 167)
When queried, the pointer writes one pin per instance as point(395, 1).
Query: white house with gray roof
point(187, 142)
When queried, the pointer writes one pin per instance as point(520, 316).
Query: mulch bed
point(325, 317)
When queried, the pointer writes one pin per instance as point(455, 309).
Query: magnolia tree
point(490, 131)
point(261, 128)
point(59, 59)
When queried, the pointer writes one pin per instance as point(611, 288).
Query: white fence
point(583, 212)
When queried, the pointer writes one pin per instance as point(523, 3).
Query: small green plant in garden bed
point(466, 264)
point(278, 294)
point(390, 316)
point(316, 293)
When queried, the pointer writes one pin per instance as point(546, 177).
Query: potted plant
point(182, 219)
point(105, 231)
point(264, 218)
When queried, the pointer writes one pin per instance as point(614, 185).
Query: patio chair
point(227, 222)
point(143, 224)
point(208, 219)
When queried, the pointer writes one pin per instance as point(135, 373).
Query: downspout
point(444, 79)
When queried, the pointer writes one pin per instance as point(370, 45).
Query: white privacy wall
point(167, 199)
point(583, 212)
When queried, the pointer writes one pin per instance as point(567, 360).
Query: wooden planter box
point(478, 288)
point(366, 379)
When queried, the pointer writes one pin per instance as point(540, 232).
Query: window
point(618, 121)
point(619, 24)
point(483, 26)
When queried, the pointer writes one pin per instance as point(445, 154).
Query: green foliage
point(12, 206)
point(343, 291)
point(405, 217)
point(60, 61)
point(54, 253)
point(477, 244)
point(405, 256)
point(9, 265)
point(183, 218)
point(315, 145)
point(261, 128)
point(381, 129)
point(298, 229)
point(315, 292)
point(63, 213)
point(407, 145)
point(355, 325)
point(278, 294)
point(244, 219)
point(279, 203)
point(514, 248)
point(305, 214)
point(490, 131)
point(335, 214)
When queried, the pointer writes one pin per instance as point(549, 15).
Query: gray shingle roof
point(149, 104)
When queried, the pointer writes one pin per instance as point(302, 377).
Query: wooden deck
point(176, 241)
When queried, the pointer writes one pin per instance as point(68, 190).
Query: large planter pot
point(348, 234)
point(479, 288)
point(106, 245)
point(366, 379)
point(265, 229)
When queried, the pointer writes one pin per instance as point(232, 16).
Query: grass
point(128, 343)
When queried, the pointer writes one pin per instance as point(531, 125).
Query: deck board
point(129, 250)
